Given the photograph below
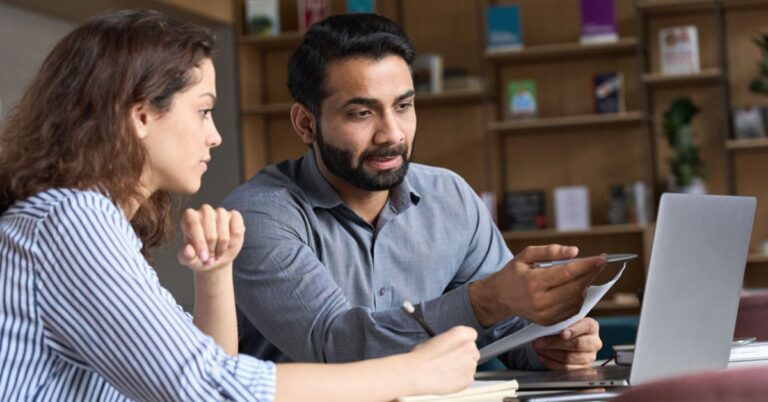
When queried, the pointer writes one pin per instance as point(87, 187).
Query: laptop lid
point(691, 295)
point(692, 291)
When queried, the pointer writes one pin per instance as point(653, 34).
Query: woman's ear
point(304, 123)
point(139, 116)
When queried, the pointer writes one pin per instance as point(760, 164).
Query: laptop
point(690, 300)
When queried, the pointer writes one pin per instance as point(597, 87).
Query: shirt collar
point(322, 195)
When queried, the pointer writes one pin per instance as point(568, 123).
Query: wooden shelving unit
point(709, 75)
point(747, 144)
point(566, 122)
point(563, 50)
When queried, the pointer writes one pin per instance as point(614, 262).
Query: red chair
point(752, 318)
point(736, 385)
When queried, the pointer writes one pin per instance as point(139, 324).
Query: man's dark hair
point(339, 37)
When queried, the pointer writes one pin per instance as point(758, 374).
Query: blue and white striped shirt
point(84, 318)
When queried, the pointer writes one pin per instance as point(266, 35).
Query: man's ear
point(304, 123)
point(139, 116)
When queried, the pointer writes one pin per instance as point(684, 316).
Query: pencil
point(408, 307)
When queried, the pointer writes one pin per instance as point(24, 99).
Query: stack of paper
point(479, 391)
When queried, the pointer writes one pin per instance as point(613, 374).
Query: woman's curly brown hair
point(71, 129)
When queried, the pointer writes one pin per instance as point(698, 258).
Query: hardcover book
point(262, 17)
point(428, 72)
point(679, 50)
point(360, 6)
point(525, 210)
point(504, 30)
point(608, 92)
point(598, 21)
point(312, 11)
point(521, 97)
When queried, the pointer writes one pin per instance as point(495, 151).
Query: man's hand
point(543, 295)
point(574, 348)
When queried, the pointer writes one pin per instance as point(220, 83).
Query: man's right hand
point(542, 295)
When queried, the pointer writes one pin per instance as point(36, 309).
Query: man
point(339, 239)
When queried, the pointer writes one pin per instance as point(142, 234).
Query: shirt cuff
point(449, 310)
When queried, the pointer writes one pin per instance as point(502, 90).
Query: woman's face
point(178, 143)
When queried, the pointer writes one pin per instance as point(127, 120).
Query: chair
point(736, 385)
point(752, 318)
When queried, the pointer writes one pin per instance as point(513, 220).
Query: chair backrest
point(752, 318)
point(736, 385)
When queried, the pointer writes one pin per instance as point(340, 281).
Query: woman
point(118, 117)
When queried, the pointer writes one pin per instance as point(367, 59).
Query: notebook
point(478, 391)
point(690, 300)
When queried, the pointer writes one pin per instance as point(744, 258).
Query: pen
point(408, 307)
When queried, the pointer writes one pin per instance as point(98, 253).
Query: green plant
point(685, 163)
point(760, 85)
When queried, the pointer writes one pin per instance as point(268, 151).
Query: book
point(525, 210)
point(312, 11)
point(503, 27)
point(572, 208)
point(428, 73)
point(478, 391)
point(608, 92)
point(749, 122)
point(679, 50)
point(262, 17)
point(598, 21)
point(521, 97)
point(361, 6)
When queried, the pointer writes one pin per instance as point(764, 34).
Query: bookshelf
point(468, 132)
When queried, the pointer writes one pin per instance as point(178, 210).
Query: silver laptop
point(690, 299)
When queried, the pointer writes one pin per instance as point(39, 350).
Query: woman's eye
point(206, 112)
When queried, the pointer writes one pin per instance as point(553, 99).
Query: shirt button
point(382, 291)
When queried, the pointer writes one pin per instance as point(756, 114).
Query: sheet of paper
point(535, 331)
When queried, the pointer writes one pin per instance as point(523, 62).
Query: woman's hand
point(446, 363)
point(212, 238)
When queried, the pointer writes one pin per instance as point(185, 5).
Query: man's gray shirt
point(315, 282)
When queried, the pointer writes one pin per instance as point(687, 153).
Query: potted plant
point(688, 171)
point(759, 85)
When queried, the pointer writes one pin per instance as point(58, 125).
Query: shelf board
point(283, 40)
point(449, 97)
point(744, 4)
point(757, 257)
point(675, 6)
point(269, 109)
point(703, 76)
point(567, 121)
point(564, 51)
point(602, 230)
point(610, 305)
point(745, 144)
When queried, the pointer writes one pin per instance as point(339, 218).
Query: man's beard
point(339, 162)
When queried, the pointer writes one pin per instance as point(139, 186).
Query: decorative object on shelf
point(572, 208)
point(312, 11)
point(458, 79)
point(598, 22)
point(679, 50)
point(504, 29)
point(361, 6)
point(521, 96)
point(525, 210)
point(764, 247)
point(262, 17)
point(428, 73)
point(749, 122)
point(688, 171)
point(629, 203)
point(608, 92)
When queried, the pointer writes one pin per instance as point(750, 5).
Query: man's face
point(367, 124)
